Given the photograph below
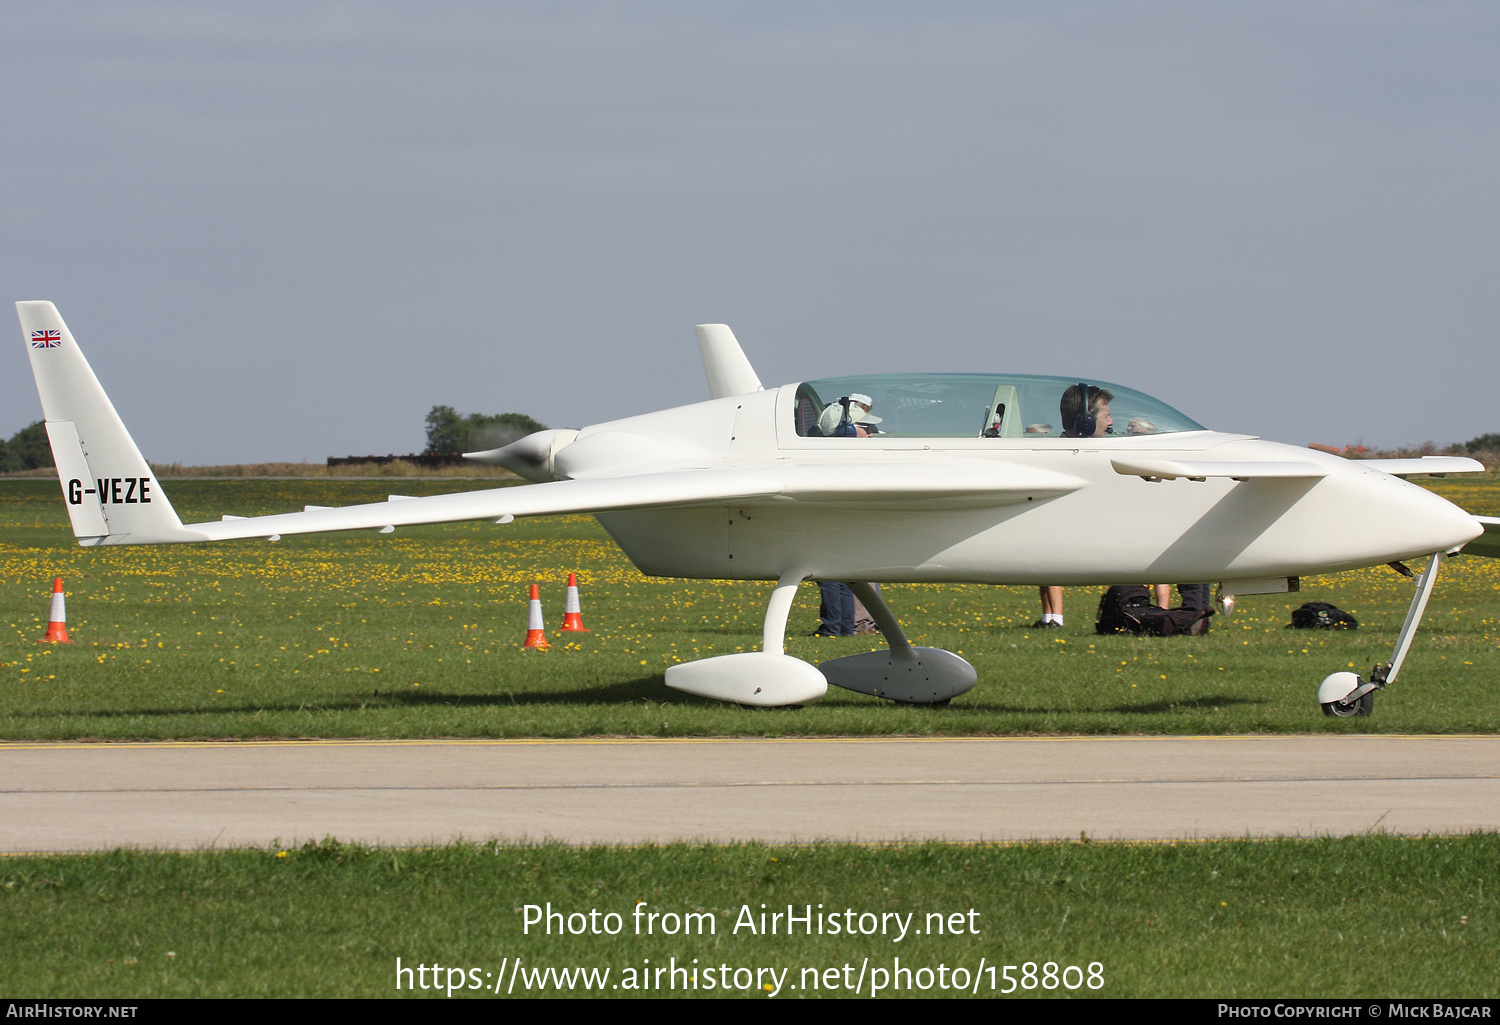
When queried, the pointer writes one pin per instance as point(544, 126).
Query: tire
point(1363, 706)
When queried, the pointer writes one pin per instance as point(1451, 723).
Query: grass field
point(1363, 917)
point(419, 636)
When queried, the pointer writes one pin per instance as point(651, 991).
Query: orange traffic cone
point(572, 611)
point(536, 637)
point(57, 618)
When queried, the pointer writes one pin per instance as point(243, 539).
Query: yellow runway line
point(677, 741)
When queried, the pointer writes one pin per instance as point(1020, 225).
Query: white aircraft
point(979, 478)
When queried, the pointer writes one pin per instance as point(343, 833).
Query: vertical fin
point(111, 493)
point(729, 372)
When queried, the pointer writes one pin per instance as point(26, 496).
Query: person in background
point(1052, 613)
point(864, 623)
point(1193, 596)
point(836, 611)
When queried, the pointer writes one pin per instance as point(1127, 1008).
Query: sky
point(284, 231)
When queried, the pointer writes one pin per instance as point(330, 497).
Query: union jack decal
point(45, 339)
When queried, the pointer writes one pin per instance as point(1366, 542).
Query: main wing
point(844, 486)
point(112, 497)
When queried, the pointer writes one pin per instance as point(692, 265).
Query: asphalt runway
point(83, 797)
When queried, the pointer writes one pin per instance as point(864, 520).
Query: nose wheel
point(1345, 695)
point(1345, 709)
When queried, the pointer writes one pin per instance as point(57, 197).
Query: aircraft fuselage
point(1109, 527)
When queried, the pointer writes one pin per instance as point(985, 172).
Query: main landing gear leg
point(767, 678)
point(778, 610)
point(916, 676)
point(1345, 694)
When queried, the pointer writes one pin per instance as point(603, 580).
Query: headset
point(845, 428)
point(1084, 421)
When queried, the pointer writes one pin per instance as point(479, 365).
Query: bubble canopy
point(980, 405)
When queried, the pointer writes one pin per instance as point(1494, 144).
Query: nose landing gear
point(1344, 694)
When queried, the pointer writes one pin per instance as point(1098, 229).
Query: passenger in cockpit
point(848, 417)
point(1085, 412)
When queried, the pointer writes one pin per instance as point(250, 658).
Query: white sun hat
point(867, 402)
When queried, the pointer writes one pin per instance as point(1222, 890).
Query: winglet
point(729, 372)
point(111, 494)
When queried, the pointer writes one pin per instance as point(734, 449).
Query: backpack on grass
point(1127, 608)
point(1121, 608)
point(1177, 622)
point(1319, 615)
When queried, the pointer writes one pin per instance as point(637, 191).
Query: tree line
point(449, 432)
point(27, 449)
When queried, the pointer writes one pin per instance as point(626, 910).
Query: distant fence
point(430, 462)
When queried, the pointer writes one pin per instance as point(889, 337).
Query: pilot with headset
point(1095, 422)
point(1085, 414)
